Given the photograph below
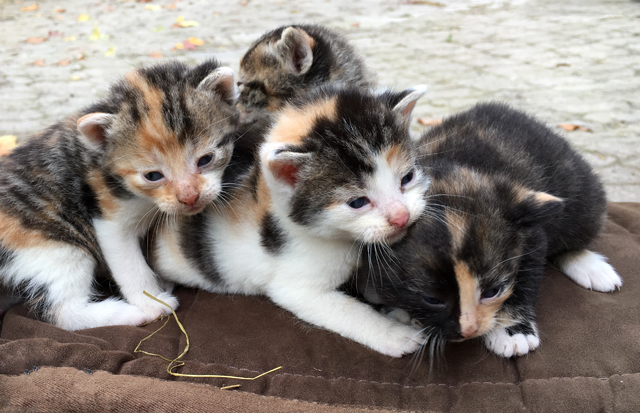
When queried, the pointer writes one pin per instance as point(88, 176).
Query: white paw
point(153, 309)
point(501, 343)
point(398, 340)
point(589, 270)
point(109, 312)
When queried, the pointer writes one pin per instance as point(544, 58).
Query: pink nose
point(188, 196)
point(469, 331)
point(399, 219)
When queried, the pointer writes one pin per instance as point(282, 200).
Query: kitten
point(78, 197)
point(507, 194)
point(289, 62)
point(337, 172)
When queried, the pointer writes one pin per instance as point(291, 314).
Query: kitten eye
point(432, 301)
point(205, 160)
point(406, 179)
point(358, 203)
point(153, 176)
point(491, 292)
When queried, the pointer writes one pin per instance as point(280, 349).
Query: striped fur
point(77, 197)
point(507, 195)
point(289, 62)
point(289, 232)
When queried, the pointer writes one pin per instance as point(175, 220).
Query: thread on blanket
point(175, 363)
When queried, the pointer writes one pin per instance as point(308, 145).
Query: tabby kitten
point(507, 194)
point(79, 196)
point(289, 62)
point(337, 172)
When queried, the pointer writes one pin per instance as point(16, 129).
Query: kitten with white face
point(507, 195)
point(337, 172)
point(79, 196)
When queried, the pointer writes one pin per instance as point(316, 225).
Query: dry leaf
point(60, 10)
point(36, 40)
point(188, 45)
point(111, 51)
point(96, 35)
point(195, 41)
point(169, 6)
point(563, 65)
point(152, 7)
point(32, 7)
point(181, 22)
point(156, 55)
point(83, 18)
point(7, 143)
point(179, 46)
point(55, 33)
point(570, 127)
point(70, 39)
point(64, 63)
point(429, 122)
point(426, 3)
point(39, 63)
point(356, 24)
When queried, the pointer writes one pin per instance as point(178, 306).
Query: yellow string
point(174, 363)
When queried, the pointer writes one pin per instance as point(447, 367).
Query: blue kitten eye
point(491, 292)
point(406, 179)
point(358, 203)
point(205, 160)
point(432, 300)
point(153, 176)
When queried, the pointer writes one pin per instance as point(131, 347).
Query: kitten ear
point(294, 47)
point(93, 128)
point(285, 165)
point(410, 97)
point(222, 81)
point(534, 207)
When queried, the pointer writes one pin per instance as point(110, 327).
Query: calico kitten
point(78, 197)
point(507, 194)
point(289, 62)
point(337, 172)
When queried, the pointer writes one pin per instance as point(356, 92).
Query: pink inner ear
point(286, 172)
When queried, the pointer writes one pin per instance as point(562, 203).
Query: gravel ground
point(570, 61)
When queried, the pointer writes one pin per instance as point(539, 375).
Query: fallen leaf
point(32, 7)
point(60, 10)
point(152, 7)
point(181, 22)
point(449, 39)
point(563, 65)
point(75, 78)
point(157, 29)
point(64, 63)
point(54, 33)
point(36, 40)
point(188, 45)
point(426, 3)
point(179, 46)
point(429, 122)
point(156, 55)
point(39, 63)
point(83, 18)
point(195, 41)
point(169, 6)
point(356, 24)
point(7, 143)
point(570, 127)
point(70, 39)
point(216, 13)
point(96, 35)
point(111, 51)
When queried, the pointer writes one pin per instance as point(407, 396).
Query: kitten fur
point(77, 197)
point(336, 173)
point(507, 194)
point(289, 62)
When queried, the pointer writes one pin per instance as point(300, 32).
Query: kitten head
point(289, 61)
point(341, 163)
point(459, 264)
point(165, 133)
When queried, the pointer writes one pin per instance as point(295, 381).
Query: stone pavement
point(569, 61)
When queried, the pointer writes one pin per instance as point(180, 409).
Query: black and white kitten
point(507, 195)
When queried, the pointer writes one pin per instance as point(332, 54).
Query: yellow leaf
point(96, 35)
point(33, 7)
point(75, 78)
point(7, 143)
point(196, 41)
point(111, 51)
point(83, 18)
point(179, 46)
point(70, 39)
point(181, 22)
point(152, 7)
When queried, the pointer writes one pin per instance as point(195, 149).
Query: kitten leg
point(131, 272)
point(589, 270)
point(58, 280)
point(348, 317)
point(516, 340)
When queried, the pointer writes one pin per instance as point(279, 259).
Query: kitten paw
point(153, 309)
point(501, 343)
point(589, 270)
point(399, 340)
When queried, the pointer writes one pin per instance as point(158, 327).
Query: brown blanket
point(589, 359)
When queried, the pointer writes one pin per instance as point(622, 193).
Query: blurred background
point(575, 64)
